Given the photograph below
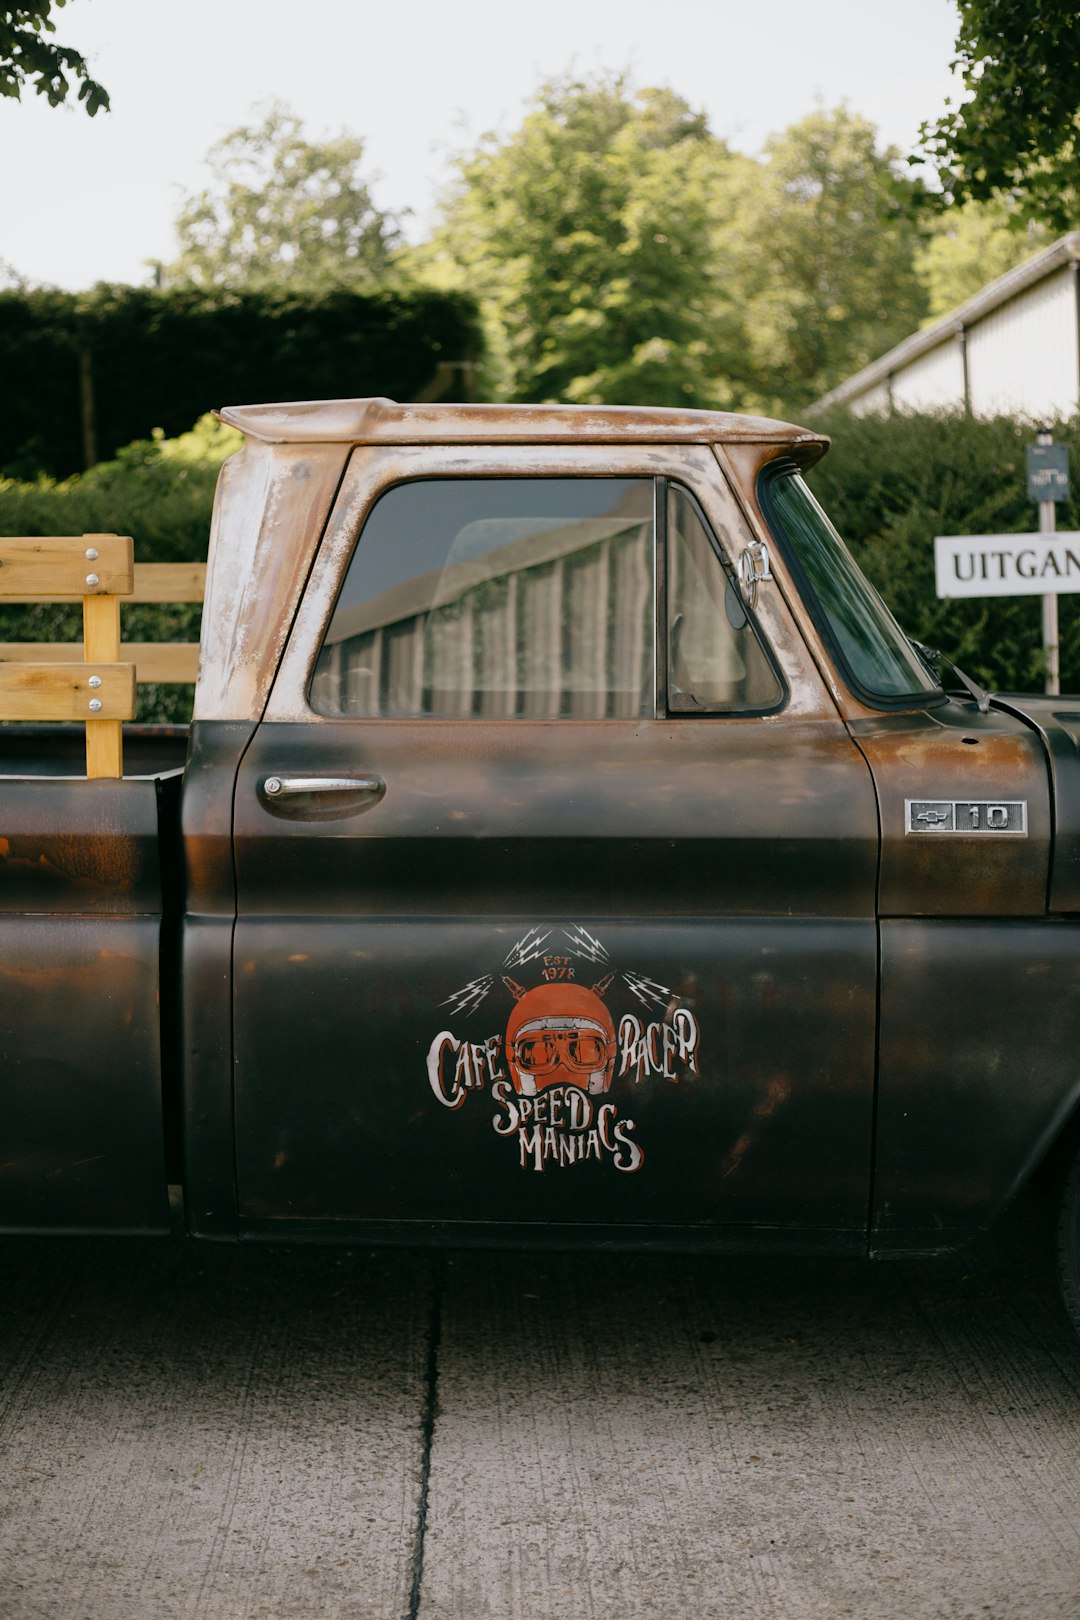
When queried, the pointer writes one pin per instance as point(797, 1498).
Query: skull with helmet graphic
point(560, 1034)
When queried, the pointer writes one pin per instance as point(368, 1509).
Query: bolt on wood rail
point(49, 680)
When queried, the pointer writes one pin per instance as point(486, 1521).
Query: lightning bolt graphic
point(648, 991)
point(469, 997)
point(528, 949)
point(582, 943)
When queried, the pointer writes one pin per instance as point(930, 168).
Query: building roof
point(383, 421)
point(1065, 251)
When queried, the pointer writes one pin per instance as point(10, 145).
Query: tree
point(824, 251)
point(282, 209)
point(27, 58)
point(624, 254)
point(587, 233)
point(1016, 136)
point(971, 244)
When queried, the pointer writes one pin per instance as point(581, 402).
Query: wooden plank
point(154, 582)
point(50, 567)
point(101, 629)
point(172, 663)
point(169, 582)
point(101, 641)
point(63, 691)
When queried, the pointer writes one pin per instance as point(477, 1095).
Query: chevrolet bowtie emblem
point(983, 818)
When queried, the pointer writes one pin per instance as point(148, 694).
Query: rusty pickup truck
point(568, 847)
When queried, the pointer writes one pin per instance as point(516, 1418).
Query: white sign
point(1007, 564)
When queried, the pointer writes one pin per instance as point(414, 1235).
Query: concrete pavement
point(200, 1433)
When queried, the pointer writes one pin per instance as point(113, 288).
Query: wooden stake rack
point(50, 680)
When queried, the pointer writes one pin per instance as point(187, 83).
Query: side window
point(497, 597)
point(715, 660)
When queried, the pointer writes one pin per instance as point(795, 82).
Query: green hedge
point(890, 484)
point(160, 358)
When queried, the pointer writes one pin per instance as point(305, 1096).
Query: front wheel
point(1068, 1248)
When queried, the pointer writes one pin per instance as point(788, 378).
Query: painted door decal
point(579, 1033)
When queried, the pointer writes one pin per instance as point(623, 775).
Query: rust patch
point(384, 421)
point(100, 868)
point(737, 1154)
point(80, 980)
point(776, 1093)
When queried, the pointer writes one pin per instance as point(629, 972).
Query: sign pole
point(1048, 526)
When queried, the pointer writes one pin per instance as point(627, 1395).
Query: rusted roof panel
point(382, 421)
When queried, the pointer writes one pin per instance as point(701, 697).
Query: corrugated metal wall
point(875, 400)
point(932, 382)
point(1022, 358)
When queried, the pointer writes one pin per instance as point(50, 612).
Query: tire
point(1068, 1243)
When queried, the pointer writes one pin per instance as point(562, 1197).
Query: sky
point(90, 200)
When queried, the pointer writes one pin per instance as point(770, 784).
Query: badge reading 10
point(981, 817)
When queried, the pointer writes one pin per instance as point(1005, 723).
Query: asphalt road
point(197, 1433)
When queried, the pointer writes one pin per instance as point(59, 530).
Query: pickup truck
point(568, 847)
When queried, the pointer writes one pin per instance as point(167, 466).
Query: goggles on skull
point(569, 1043)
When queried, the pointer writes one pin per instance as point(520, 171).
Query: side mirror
point(753, 571)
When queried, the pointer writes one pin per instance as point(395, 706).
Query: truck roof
point(384, 421)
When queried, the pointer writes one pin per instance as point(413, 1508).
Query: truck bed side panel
point(81, 1136)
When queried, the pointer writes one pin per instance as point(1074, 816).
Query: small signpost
point(1047, 470)
point(1046, 564)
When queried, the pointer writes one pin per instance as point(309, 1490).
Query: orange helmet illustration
point(559, 1035)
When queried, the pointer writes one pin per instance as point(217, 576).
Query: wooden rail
point(94, 683)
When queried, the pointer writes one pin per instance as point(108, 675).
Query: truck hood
point(1057, 721)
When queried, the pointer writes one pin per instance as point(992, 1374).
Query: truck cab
point(570, 848)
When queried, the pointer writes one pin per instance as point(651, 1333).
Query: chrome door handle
point(277, 787)
point(321, 798)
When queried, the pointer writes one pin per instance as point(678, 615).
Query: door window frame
point(373, 470)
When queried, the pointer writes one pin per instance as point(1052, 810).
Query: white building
point(1013, 349)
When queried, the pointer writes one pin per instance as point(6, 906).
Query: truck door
point(555, 872)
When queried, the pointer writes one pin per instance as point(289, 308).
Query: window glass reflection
point(715, 660)
point(497, 598)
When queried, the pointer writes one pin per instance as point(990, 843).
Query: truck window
point(715, 661)
point(867, 643)
point(497, 597)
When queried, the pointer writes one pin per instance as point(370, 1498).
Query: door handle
point(278, 786)
point(321, 798)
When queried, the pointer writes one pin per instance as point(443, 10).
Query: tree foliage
point(1017, 133)
point(624, 254)
point(972, 244)
point(29, 59)
point(826, 249)
point(282, 209)
point(587, 234)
